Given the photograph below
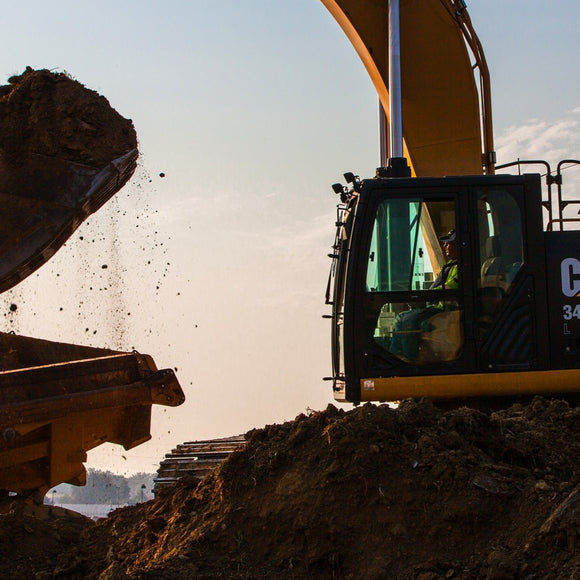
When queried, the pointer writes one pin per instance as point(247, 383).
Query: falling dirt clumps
point(408, 493)
point(51, 114)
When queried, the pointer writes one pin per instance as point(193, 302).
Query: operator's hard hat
point(449, 237)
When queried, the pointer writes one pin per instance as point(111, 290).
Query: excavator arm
point(447, 122)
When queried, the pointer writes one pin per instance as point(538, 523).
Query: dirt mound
point(54, 115)
point(376, 492)
point(30, 544)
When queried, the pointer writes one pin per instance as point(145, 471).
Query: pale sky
point(252, 109)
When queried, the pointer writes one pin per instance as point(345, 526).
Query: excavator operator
point(410, 324)
point(449, 275)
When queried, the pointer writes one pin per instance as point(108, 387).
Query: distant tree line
point(105, 487)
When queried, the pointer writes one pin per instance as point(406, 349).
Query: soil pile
point(407, 493)
point(56, 116)
point(30, 545)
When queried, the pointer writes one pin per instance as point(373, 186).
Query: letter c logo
point(570, 269)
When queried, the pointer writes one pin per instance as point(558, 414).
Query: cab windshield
point(413, 250)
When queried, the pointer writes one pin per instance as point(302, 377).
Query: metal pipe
point(395, 99)
point(549, 179)
point(561, 203)
point(383, 135)
point(560, 221)
point(474, 44)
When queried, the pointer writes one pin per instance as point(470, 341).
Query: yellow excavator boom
point(447, 123)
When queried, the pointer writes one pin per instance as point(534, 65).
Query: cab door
point(510, 276)
point(398, 322)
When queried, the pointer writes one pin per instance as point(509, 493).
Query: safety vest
point(448, 277)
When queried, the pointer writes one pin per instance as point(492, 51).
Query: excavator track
point(195, 459)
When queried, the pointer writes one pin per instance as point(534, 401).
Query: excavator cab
point(509, 326)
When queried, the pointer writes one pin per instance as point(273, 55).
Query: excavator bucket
point(45, 200)
point(58, 401)
point(64, 152)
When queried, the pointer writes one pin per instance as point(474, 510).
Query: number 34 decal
point(571, 311)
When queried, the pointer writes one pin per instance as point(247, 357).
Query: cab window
point(501, 254)
point(408, 253)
